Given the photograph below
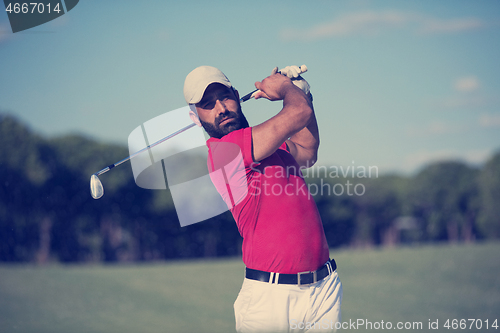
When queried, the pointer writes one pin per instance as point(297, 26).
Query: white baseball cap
point(199, 79)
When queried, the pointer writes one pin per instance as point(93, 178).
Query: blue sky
point(396, 84)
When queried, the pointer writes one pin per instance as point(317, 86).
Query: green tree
point(22, 173)
point(489, 185)
point(338, 212)
point(378, 207)
point(444, 196)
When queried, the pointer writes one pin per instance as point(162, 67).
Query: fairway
point(402, 285)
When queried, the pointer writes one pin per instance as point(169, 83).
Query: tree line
point(47, 213)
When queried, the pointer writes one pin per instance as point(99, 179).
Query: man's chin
point(228, 129)
point(220, 130)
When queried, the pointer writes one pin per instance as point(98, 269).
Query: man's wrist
point(288, 88)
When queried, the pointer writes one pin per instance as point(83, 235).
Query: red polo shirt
point(271, 204)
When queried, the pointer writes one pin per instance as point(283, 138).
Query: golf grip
point(302, 68)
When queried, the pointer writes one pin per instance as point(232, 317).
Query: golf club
point(96, 188)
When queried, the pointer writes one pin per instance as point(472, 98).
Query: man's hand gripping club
point(292, 124)
point(292, 72)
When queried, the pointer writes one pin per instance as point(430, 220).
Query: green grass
point(422, 284)
point(394, 285)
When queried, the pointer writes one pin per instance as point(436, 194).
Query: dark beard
point(238, 121)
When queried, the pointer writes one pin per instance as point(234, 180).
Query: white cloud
point(372, 23)
point(367, 23)
point(434, 26)
point(466, 84)
point(489, 120)
point(478, 156)
point(467, 95)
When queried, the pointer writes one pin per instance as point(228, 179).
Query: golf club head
point(96, 189)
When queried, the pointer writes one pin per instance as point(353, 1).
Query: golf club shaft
point(248, 96)
point(106, 169)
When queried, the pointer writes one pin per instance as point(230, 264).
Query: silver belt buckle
point(315, 277)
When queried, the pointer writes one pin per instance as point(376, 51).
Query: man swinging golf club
point(290, 283)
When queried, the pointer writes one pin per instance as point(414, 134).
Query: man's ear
point(193, 115)
point(237, 94)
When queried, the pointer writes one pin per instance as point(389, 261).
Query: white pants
point(267, 307)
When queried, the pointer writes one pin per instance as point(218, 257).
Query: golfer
point(291, 284)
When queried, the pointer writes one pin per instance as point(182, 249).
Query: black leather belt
point(302, 278)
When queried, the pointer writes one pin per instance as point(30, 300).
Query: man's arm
point(304, 144)
point(296, 122)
